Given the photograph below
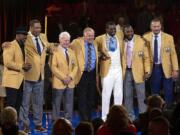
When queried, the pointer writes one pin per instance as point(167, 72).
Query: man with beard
point(110, 51)
point(136, 68)
point(164, 60)
point(14, 68)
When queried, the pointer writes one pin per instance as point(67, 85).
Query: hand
point(26, 67)
point(6, 45)
point(175, 74)
point(146, 76)
point(67, 80)
point(56, 44)
point(52, 50)
point(104, 57)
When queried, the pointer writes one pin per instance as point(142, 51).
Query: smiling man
point(110, 50)
point(36, 47)
point(64, 68)
point(136, 70)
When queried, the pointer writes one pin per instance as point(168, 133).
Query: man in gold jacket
point(64, 69)
point(36, 47)
point(136, 69)
point(111, 56)
point(163, 60)
point(14, 67)
point(87, 57)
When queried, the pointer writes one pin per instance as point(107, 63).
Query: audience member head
point(111, 28)
point(62, 126)
point(154, 101)
point(9, 121)
point(122, 20)
point(64, 39)
point(128, 32)
point(96, 124)
point(158, 126)
point(88, 34)
point(35, 27)
point(117, 119)
point(84, 128)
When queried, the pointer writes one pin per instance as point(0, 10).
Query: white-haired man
point(64, 68)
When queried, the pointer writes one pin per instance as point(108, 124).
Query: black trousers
point(14, 97)
point(86, 95)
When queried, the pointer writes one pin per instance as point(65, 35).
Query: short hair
point(157, 19)
point(87, 29)
point(110, 23)
point(65, 33)
point(62, 126)
point(32, 22)
point(8, 116)
point(84, 127)
point(155, 101)
point(127, 26)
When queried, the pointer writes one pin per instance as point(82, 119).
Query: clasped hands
point(67, 80)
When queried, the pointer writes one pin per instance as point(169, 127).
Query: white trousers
point(112, 82)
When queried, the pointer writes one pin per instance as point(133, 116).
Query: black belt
point(91, 71)
point(157, 65)
point(128, 68)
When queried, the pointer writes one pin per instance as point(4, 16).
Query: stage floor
point(47, 121)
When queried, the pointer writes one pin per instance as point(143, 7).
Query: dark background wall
point(74, 15)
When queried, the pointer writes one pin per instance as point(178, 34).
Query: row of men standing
point(122, 62)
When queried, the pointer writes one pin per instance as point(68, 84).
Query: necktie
point(38, 46)
point(67, 56)
point(128, 55)
point(89, 58)
point(112, 44)
point(155, 49)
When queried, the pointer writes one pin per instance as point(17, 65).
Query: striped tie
point(89, 57)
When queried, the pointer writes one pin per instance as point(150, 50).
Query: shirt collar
point(63, 49)
point(158, 35)
point(111, 36)
point(86, 43)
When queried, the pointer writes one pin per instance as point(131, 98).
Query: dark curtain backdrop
point(14, 13)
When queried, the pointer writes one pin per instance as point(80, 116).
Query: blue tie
point(38, 46)
point(112, 44)
point(155, 49)
point(89, 57)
